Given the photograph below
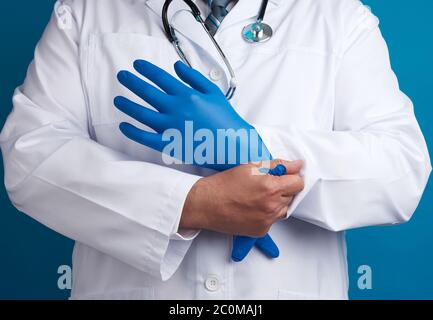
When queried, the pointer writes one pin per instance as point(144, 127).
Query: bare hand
point(242, 200)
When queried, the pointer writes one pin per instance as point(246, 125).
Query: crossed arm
point(244, 205)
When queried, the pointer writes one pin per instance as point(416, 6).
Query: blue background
point(401, 257)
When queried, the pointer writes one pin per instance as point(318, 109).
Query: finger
point(292, 167)
point(194, 78)
point(160, 77)
point(290, 185)
point(155, 97)
point(155, 120)
point(268, 246)
point(148, 139)
point(241, 247)
point(282, 214)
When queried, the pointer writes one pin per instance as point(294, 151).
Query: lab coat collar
point(244, 10)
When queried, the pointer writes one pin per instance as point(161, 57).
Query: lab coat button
point(215, 74)
point(212, 283)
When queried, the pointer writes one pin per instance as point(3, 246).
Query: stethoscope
point(256, 32)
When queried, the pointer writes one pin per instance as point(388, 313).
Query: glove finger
point(161, 78)
point(292, 167)
point(155, 120)
point(155, 97)
point(268, 246)
point(241, 247)
point(194, 78)
point(148, 139)
point(278, 171)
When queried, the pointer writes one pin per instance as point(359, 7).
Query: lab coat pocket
point(107, 54)
point(290, 295)
point(132, 294)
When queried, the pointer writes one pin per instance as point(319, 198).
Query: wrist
point(194, 213)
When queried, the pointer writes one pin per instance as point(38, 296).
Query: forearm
point(55, 164)
point(356, 179)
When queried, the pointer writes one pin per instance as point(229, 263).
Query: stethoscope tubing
point(195, 11)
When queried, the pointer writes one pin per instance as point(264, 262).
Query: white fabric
point(321, 89)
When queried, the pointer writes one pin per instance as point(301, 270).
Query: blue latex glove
point(206, 107)
point(202, 105)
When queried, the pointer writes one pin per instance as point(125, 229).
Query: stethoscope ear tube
point(167, 28)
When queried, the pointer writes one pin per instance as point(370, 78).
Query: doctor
point(321, 90)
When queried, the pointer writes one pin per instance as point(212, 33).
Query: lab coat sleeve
point(372, 168)
point(58, 175)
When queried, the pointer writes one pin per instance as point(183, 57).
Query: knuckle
point(268, 207)
point(283, 213)
point(290, 201)
point(300, 184)
point(297, 182)
point(269, 186)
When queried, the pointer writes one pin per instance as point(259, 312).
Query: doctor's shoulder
point(69, 14)
point(98, 16)
point(349, 20)
point(87, 14)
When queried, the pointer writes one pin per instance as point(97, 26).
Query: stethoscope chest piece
point(257, 32)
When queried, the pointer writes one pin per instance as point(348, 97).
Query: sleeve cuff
point(179, 242)
point(183, 234)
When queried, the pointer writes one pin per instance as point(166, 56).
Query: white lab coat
point(321, 89)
